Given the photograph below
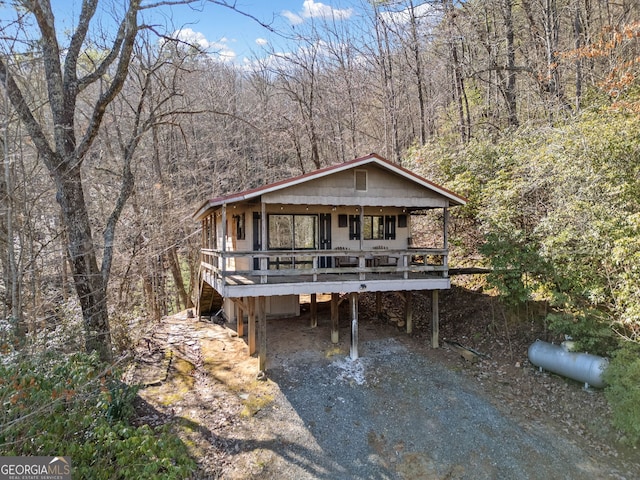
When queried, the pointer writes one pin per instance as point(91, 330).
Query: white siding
point(384, 189)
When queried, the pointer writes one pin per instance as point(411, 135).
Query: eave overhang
point(253, 194)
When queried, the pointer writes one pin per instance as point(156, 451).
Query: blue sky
point(226, 34)
point(235, 37)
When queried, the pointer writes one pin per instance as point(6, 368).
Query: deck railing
point(274, 266)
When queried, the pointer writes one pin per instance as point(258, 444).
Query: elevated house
point(340, 230)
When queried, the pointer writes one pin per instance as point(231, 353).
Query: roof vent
point(361, 180)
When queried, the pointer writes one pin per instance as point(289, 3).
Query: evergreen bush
point(623, 390)
point(70, 405)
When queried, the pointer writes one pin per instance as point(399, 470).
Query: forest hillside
point(114, 131)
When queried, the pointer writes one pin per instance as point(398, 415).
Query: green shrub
point(67, 405)
point(590, 331)
point(516, 266)
point(623, 390)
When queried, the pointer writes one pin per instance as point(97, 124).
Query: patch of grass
point(332, 352)
point(224, 374)
point(255, 403)
point(179, 382)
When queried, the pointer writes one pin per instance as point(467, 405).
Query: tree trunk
point(459, 94)
point(172, 258)
point(12, 279)
point(577, 33)
point(88, 278)
point(415, 49)
point(58, 146)
point(510, 88)
point(388, 85)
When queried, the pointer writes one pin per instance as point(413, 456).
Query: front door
point(325, 239)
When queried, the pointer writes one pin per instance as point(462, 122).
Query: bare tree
point(411, 26)
point(388, 81)
point(63, 145)
point(79, 90)
point(10, 269)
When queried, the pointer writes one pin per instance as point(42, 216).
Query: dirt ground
point(402, 410)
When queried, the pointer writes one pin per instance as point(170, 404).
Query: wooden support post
point(445, 228)
point(445, 243)
point(251, 326)
point(379, 305)
point(239, 320)
point(198, 305)
point(435, 319)
point(405, 263)
point(353, 351)
point(223, 267)
point(262, 334)
point(408, 311)
point(335, 334)
point(264, 262)
point(314, 310)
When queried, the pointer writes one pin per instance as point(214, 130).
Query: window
point(342, 221)
point(360, 177)
point(257, 238)
point(402, 221)
point(305, 232)
point(293, 232)
point(209, 236)
point(239, 226)
point(280, 232)
point(373, 227)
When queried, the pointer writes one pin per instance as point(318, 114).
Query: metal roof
point(372, 158)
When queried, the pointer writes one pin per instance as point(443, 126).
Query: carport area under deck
point(341, 287)
point(249, 289)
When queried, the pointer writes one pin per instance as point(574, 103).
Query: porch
point(340, 272)
point(286, 272)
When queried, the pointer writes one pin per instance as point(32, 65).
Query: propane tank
point(582, 367)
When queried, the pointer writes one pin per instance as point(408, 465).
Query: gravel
point(394, 413)
point(401, 411)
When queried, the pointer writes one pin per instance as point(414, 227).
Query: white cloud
point(225, 54)
point(292, 17)
point(313, 9)
point(219, 50)
point(287, 61)
point(421, 12)
point(261, 41)
point(192, 37)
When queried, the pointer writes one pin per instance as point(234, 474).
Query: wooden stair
point(210, 301)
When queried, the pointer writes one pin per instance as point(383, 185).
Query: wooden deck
point(415, 269)
point(335, 272)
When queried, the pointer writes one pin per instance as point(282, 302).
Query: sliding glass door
point(292, 232)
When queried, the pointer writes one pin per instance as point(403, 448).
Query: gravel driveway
point(396, 414)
